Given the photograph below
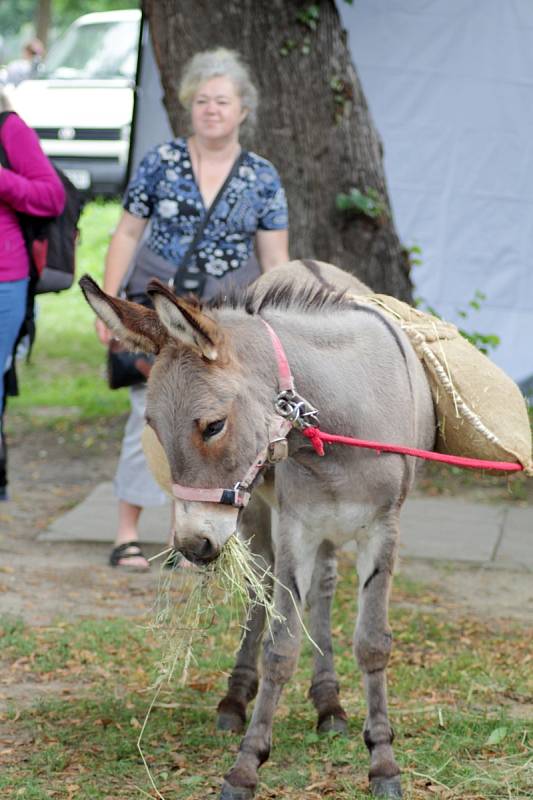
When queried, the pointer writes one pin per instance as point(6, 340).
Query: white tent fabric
point(450, 87)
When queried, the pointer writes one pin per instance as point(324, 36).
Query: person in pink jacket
point(29, 185)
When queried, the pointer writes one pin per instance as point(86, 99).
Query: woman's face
point(217, 111)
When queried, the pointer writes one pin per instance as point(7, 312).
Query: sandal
point(128, 550)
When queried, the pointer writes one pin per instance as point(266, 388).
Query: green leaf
point(192, 780)
point(369, 204)
point(309, 16)
point(497, 736)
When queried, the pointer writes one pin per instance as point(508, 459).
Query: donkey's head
point(205, 406)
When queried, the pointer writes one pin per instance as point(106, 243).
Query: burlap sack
point(481, 412)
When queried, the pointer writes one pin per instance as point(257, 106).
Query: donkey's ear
point(137, 327)
point(185, 321)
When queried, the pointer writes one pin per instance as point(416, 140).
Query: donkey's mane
point(282, 296)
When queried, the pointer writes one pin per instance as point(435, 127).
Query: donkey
point(223, 378)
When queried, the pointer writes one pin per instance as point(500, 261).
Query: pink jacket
point(31, 186)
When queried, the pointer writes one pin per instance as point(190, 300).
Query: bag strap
point(181, 273)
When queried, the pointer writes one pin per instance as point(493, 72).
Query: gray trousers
point(133, 480)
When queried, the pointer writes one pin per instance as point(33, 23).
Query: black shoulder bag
point(125, 368)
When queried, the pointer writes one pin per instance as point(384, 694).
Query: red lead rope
point(317, 437)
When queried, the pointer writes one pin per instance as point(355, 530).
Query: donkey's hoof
point(230, 792)
point(230, 721)
point(334, 724)
point(386, 787)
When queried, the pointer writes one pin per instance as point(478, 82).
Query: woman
point(29, 185)
point(173, 188)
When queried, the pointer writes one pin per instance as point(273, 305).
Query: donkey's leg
point(243, 681)
point(280, 655)
point(373, 641)
point(324, 690)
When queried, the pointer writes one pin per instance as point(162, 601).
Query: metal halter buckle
point(238, 496)
point(296, 409)
point(278, 450)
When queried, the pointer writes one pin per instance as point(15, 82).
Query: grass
point(65, 377)
point(459, 693)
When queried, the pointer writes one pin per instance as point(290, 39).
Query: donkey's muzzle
point(201, 551)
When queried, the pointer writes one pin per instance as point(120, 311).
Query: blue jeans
point(12, 311)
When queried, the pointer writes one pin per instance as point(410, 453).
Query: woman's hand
point(103, 332)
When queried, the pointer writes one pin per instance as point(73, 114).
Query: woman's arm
point(119, 256)
point(30, 185)
point(121, 250)
point(272, 248)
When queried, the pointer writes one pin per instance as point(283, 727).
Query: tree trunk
point(42, 22)
point(313, 121)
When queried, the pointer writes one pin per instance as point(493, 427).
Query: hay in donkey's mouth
point(187, 600)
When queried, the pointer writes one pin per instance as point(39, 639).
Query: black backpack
point(51, 241)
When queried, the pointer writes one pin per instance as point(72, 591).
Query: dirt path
point(50, 472)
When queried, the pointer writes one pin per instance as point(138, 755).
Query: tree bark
point(42, 22)
point(313, 121)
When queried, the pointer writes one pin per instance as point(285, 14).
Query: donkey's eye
point(213, 428)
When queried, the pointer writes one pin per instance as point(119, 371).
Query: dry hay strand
point(187, 601)
point(188, 598)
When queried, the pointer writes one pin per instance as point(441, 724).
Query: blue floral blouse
point(164, 189)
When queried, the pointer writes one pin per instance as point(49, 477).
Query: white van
point(81, 102)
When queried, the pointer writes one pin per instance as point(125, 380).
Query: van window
point(97, 50)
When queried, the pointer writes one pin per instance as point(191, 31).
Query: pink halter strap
point(285, 381)
point(275, 450)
